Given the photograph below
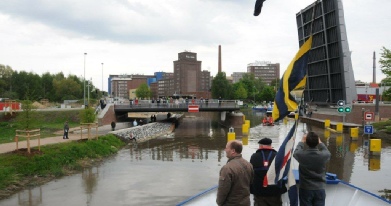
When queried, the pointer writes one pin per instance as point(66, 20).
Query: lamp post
point(89, 82)
point(84, 81)
point(102, 79)
point(254, 94)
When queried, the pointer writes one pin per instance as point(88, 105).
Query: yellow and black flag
point(294, 77)
point(258, 7)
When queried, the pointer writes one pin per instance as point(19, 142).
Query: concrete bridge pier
point(234, 119)
point(223, 116)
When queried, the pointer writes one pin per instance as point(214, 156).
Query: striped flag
point(294, 77)
point(281, 165)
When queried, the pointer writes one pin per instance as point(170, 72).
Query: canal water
point(171, 168)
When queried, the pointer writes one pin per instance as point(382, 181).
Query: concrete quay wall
point(144, 132)
point(355, 116)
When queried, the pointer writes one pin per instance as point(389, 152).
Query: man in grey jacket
point(235, 178)
point(312, 170)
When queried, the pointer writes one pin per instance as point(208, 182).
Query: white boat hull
point(338, 193)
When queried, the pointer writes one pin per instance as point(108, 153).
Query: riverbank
point(20, 170)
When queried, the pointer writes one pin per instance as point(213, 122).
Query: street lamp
point(84, 81)
point(102, 78)
point(254, 94)
point(89, 84)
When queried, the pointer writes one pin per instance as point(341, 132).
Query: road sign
point(368, 129)
point(193, 108)
point(369, 116)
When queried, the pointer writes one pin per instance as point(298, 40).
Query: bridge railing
point(211, 103)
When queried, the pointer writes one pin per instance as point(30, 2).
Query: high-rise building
point(236, 76)
point(266, 71)
point(121, 84)
point(187, 74)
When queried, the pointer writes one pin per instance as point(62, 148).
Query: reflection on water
point(169, 169)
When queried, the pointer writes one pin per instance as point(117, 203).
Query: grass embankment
point(19, 170)
point(49, 122)
point(384, 126)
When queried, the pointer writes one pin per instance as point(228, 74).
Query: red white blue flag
point(281, 165)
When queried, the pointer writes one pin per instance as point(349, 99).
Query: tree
point(385, 65)
point(239, 91)
point(143, 91)
point(267, 94)
point(220, 86)
point(385, 62)
point(66, 89)
point(27, 118)
point(5, 80)
point(87, 115)
point(48, 90)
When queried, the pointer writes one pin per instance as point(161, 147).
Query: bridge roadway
point(148, 106)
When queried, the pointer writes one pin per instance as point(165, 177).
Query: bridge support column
point(223, 115)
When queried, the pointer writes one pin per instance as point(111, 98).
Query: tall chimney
point(219, 68)
point(374, 67)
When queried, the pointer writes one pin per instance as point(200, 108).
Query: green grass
point(55, 159)
point(48, 121)
point(384, 126)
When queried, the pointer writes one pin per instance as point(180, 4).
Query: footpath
point(73, 136)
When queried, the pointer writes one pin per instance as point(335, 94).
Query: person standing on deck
point(312, 170)
point(261, 160)
point(235, 178)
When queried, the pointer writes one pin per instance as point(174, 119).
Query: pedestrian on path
point(66, 130)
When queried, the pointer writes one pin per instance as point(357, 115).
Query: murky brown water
point(169, 169)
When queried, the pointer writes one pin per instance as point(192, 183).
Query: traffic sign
point(193, 108)
point(368, 129)
point(369, 116)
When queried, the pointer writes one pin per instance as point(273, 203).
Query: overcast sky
point(145, 36)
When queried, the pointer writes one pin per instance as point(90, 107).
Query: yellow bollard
point(339, 140)
point(353, 146)
point(231, 134)
point(326, 133)
point(285, 120)
point(374, 163)
point(245, 140)
point(245, 129)
point(327, 123)
point(247, 122)
point(354, 133)
point(375, 145)
point(340, 127)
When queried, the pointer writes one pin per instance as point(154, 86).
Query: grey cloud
point(120, 21)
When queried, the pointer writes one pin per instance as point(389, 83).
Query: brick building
point(264, 70)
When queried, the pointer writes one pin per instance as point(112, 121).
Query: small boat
point(267, 121)
point(259, 108)
point(338, 193)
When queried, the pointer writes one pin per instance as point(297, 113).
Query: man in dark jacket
point(312, 170)
point(261, 160)
point(66, 130)
point(235, 178)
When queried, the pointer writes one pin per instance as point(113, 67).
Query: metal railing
point(211, 103)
